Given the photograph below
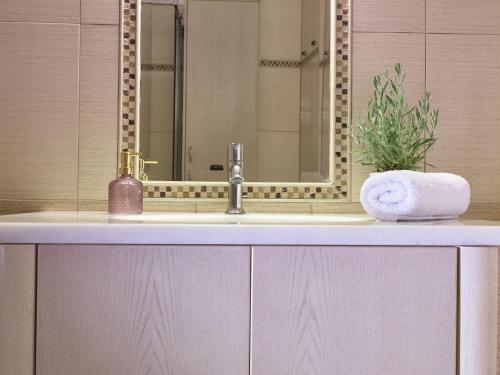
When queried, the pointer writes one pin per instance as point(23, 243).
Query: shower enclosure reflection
point(217, 71)
point(161, 44)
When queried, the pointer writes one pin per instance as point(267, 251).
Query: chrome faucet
point(235, 178)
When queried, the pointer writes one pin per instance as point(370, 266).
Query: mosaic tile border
point(294, 64)
point(249, 191)
point(268, 63)
point(337, 190)
point(158, 67)
point(128, 76)
point(342, 93)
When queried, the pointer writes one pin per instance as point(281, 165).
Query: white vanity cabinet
point(191, 310)
point(90, 295)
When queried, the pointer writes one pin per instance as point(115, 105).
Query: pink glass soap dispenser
point(125, 192)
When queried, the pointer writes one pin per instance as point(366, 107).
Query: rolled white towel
point(409, 195)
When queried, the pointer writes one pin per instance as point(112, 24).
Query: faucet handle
point(235, 152)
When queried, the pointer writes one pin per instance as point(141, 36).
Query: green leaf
point(394, 134)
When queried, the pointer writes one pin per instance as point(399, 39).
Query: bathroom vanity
point(88, 293)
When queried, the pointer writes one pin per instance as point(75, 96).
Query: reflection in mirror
point(220, 71)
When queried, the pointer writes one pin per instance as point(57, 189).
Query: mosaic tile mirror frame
point(337, 189)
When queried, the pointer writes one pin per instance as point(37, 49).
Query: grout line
point(43, 23)
point(422, 32)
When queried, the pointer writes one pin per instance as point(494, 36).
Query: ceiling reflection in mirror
point(216, 72)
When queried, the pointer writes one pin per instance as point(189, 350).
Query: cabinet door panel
point(344, 311)
point(105, 310)
point(17, 309)
point(478, 310)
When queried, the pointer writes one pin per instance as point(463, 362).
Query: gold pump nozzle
point(125, 165)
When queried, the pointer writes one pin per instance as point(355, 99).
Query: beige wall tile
point(169, 205)
point(150, 205)
point(280, 29)
point(486, 211)
point(59, 11)
point(100, 12)
point(256, 205)
point(336, 207)
point(212, 205)
point(276, 206)
point(92, 205)
point(389, 15)
point(98, 110)
point(278, 156)
point(16, 206)
point(39, 107)
point(463, 17)
point(279, 99)
point(463, 74)
point(374, 53)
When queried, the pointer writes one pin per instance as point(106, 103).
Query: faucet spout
point(235, 178)
point(236, 174)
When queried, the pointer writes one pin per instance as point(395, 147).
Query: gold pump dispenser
point(125, 192)
point(125, 162)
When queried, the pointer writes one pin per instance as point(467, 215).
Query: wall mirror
point(271, 74)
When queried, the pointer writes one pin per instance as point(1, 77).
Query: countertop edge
point(239, 234)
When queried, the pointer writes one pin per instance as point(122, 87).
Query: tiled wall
point(58, 101)
point(451, 48)
point(59, 98)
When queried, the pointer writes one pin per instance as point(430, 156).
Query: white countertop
point(69, 227)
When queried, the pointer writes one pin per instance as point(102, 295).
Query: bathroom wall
point(59, 102)
point(451, 48)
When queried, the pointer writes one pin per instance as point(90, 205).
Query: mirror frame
point(340, 100)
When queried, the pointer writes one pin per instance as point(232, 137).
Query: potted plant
point(393, 135)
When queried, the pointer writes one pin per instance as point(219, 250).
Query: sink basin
point(251, 218)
